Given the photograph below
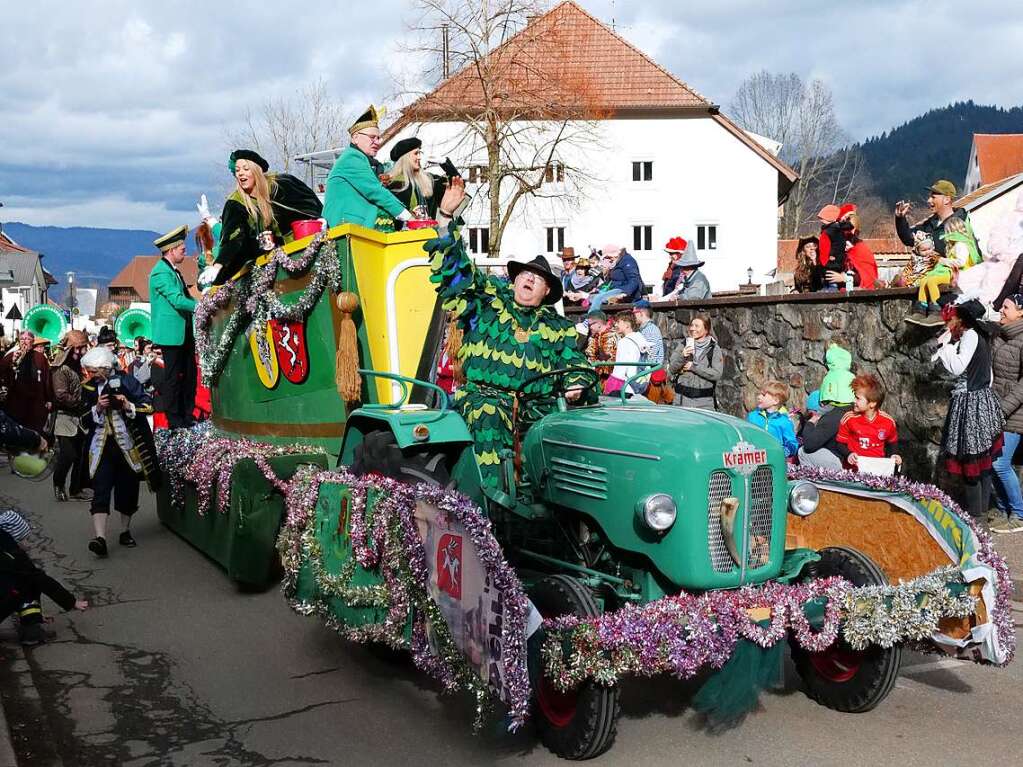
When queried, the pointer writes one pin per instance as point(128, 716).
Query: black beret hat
point(248, 154)
point(405, 146)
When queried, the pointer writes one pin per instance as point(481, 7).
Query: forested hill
point(904, 161)
point(95, 255)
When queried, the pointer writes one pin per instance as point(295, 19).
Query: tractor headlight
point(658, 512)
point(804, 497)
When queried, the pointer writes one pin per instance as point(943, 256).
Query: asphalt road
point(174, 666)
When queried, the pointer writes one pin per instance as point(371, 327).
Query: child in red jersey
point(867, 430)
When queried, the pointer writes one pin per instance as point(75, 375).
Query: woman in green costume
point(258, 214)
point(511, 333)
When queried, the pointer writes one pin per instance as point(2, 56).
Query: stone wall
point(786, 337)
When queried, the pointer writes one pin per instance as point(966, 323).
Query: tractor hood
point(604, 461)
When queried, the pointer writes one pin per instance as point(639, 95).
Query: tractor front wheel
point(579, 723)
point(840, 677)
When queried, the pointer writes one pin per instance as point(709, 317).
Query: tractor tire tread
point(885, 663)
point(601, 703)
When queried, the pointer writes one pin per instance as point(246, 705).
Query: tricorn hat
point(106, 336)
point(405, 146)
point(250, 155)
point(539, 266)
point(368, 119)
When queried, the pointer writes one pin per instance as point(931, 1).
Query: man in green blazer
point(355, 194)
point(171, 309)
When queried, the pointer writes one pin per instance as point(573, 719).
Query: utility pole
point(71, 298)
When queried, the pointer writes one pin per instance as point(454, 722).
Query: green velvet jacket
point(170, 306)
point(355, 194)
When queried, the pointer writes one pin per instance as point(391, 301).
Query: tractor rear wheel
point(580, 723)
point(379, 453)
point(840, 677)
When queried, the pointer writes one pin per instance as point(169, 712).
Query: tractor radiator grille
point(758, 516)
point(719, 489)
point(579, 478)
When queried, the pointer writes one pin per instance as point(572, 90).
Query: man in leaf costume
point(511, 333)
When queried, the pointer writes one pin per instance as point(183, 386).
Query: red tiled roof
point(568, 59)
point(135, 274)
point(6, 243)
point(881, 248)
point(568, 63)
point(999, 155)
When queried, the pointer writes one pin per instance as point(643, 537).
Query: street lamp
point(749, 276)
point(71, 297)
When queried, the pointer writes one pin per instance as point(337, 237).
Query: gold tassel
point(346, 363)
point(452, 345)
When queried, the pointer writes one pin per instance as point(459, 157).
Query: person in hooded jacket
point(1007, 366)
point(836, 386)
point(819, 435)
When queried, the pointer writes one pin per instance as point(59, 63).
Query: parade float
point(626, 539)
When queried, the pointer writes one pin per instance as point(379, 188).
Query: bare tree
point(285, 126)
point(802, 117)
point(523, 108)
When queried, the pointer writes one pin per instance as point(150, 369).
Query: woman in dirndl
point(972, 436)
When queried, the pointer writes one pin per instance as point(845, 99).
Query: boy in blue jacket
point(772, 415)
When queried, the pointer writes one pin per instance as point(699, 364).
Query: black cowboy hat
point(540, 267)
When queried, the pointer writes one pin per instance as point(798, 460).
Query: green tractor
point(602, 505)
point(625, 502)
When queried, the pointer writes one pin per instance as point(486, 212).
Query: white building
point(990, 203)
point(659, 160)
point(23, 283)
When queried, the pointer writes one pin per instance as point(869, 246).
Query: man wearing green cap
point(955, 246)
point(171, 311)
point(355, 193)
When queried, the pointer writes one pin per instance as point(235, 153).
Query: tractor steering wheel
point(559, 389)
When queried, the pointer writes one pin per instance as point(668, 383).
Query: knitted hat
point(12, 523)
point(846, 208)
point(676, 245)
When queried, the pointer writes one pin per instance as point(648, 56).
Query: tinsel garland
point(256, 302)
point(1001, 614)
point(206, 459)
point(685, 634)
point(385, 536)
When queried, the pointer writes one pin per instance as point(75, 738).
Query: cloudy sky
point(118, 114)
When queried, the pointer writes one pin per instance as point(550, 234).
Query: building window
point(707, 237)
point(555, 239)
point(477, 174)
point(554, 173)
point(643, 170)
point(642, 238)
point(479, 239)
